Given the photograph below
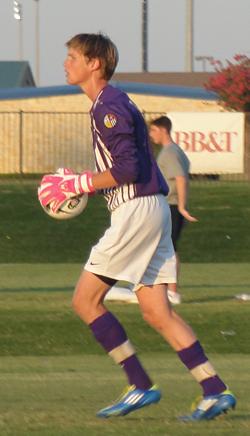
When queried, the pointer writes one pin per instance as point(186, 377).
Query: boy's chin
point(70, 81)
point(73, 82)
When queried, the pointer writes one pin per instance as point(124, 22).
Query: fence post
point(21, 142)
point(247, 146)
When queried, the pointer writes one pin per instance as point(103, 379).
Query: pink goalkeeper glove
point(56, 188)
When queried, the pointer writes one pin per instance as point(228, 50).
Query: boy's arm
point(103, 180)
point(119, 144)
point(182, 188)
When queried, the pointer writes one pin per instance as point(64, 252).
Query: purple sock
point(110, 334)
point(194, 356)
point(213, 386)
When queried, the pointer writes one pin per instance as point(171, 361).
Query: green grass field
point(58, 396)
point(29, 235)
point(54, 377)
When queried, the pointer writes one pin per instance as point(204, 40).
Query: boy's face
point(157, 134)
point(77, 67)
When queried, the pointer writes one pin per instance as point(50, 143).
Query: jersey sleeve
point(117, 129)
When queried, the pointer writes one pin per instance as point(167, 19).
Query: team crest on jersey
point(110, 121)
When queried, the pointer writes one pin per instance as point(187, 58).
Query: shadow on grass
point(240, 417)
point(39, 289)
point(214, 285)
point(229, 417)
point(209, 299)
point(152, 419)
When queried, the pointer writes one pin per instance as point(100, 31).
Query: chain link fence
point(40, 142)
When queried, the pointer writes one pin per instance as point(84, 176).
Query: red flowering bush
point(232, 83)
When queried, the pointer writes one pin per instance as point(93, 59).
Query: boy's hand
point(187, 215)
point(56, 188)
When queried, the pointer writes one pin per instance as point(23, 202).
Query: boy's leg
point(173, 295)
point(107, 330)
point(158, 313)
point(177, 224)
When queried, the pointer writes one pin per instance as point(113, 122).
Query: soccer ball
point(69, 209)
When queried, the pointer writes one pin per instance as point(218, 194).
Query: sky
point(221, 30)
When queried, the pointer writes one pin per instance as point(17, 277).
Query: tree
point(232, 83)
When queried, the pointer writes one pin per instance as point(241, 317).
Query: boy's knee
point(80, 305)
point(155, 320)
point(76, 303)
point(151, 317)
point(85, 306)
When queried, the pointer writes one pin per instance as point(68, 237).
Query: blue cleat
point(211, 406)
point(132, 399)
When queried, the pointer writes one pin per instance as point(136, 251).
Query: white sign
point(213, 141)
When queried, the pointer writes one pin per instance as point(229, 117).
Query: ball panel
point(69, 209)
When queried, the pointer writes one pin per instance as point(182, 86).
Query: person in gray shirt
point(175, 166)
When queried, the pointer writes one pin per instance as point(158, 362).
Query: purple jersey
point(121, 144)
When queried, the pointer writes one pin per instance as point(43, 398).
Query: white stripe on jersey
point(105, 151)
point(99, 160)
point(131, 189)
point(117, 195)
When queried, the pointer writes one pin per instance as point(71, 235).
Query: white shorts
point(137, 247)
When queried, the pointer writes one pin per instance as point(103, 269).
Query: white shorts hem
point(157, 282)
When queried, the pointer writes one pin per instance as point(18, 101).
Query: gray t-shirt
point(173, 162)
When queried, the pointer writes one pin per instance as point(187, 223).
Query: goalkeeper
point(137, 246)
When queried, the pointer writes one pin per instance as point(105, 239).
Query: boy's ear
point(95, 64)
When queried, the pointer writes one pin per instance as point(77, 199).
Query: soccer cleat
point(212, 406)
point(132, 399)
point(174, 297)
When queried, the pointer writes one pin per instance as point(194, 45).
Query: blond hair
point(97, 45)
